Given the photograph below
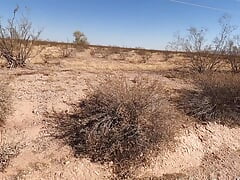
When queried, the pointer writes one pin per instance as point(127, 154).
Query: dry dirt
point(202, 151)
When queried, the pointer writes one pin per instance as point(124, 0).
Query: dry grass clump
point(120, 122)
point(6, 151)
point(4, 101)
point(218, 98)
point(174, 176)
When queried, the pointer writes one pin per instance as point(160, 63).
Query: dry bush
point(114, 50)
point(17, 40)
point(99, 52)
point(234, 61)
point(7, 152)
point(233, 53)
point(81, 47)
point(167, 55)
point(92, 52)
point(218, 98)
point(67, 51)
point(145, 55)
point(117, 50)
point(105, 52)
point(120, 122)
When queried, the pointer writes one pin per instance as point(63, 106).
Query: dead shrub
point(120, 122)
point(218, 98)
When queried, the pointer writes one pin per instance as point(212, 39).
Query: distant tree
point(80, 38)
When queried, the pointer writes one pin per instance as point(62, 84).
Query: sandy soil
point(202, 151)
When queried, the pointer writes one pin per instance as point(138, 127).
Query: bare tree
point(196, 48)
point(17, 39)
point(233, 53)
point(218, 46)
point(204, 55)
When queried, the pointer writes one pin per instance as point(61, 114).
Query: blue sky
point(129, 23)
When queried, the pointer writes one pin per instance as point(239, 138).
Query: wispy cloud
point(200, 6)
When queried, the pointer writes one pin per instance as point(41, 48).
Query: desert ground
point(200, 150)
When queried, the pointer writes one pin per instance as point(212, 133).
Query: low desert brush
point(120, 122)
point(218, 98)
